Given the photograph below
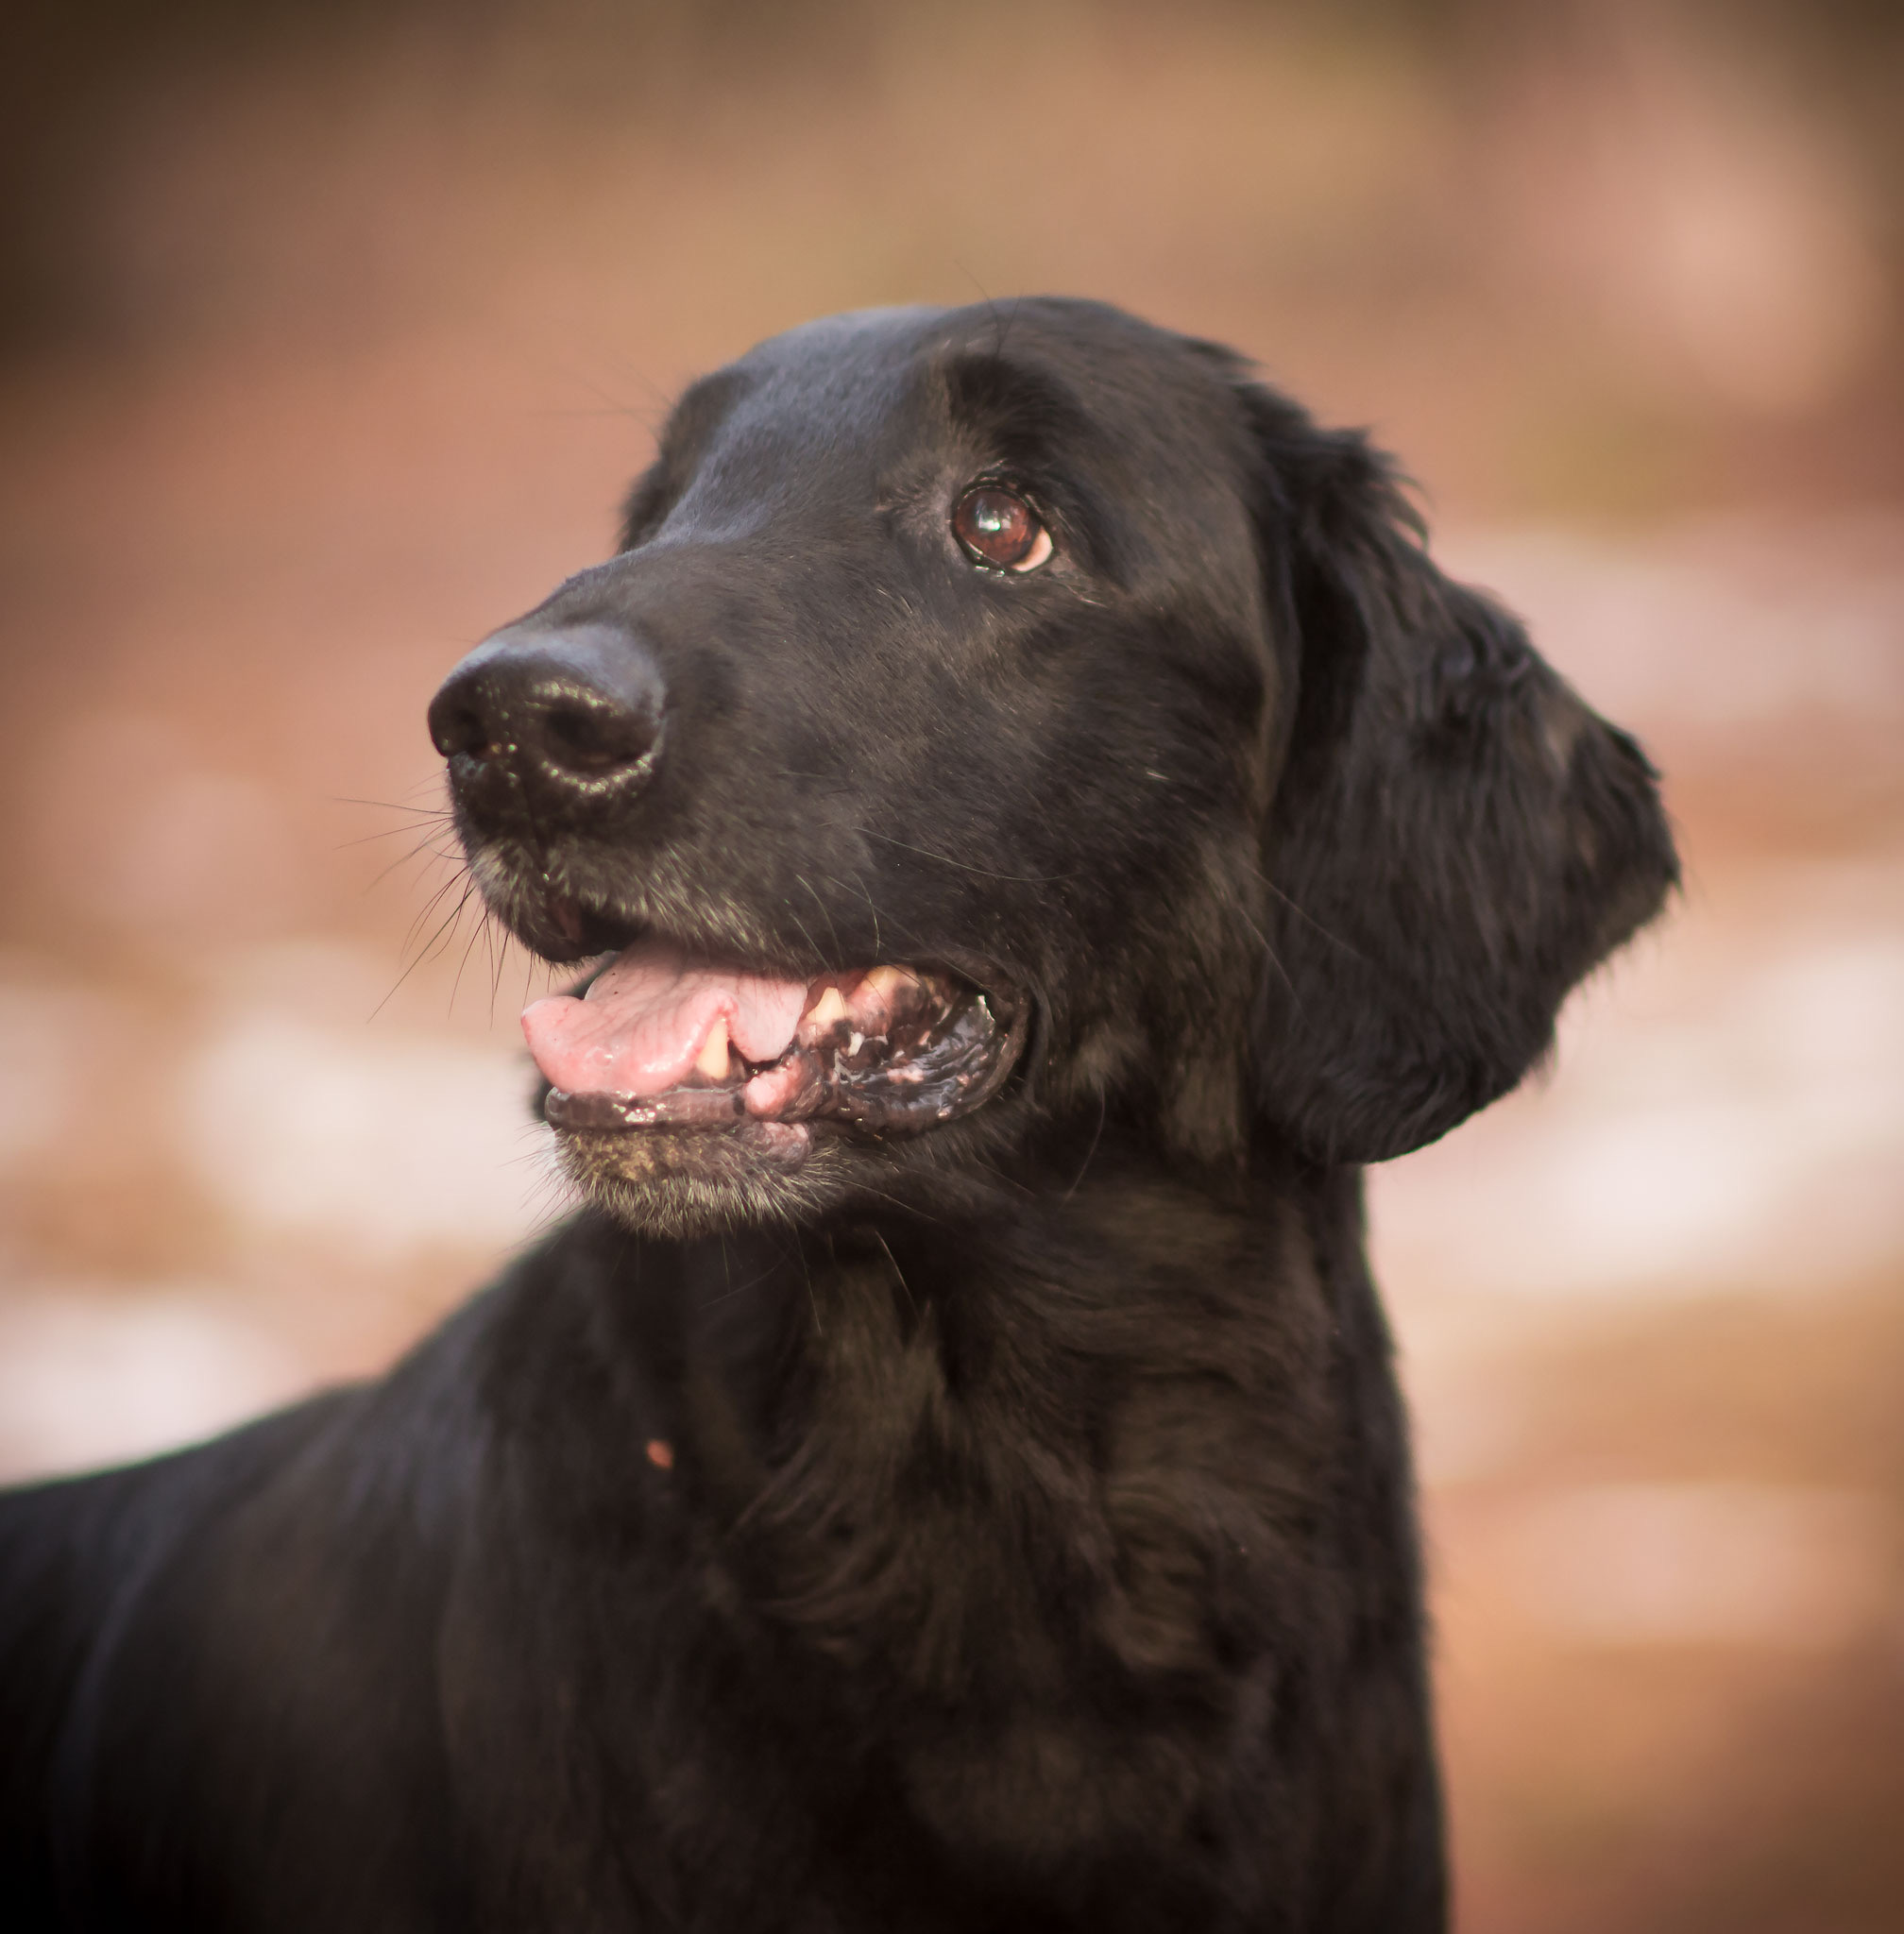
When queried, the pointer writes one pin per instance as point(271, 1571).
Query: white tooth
point(884, 982)
point(712, 1060)
point(829, 1008)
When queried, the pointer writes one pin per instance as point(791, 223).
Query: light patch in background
point(53, 1041)
point(1743, 1134)
point(1725, 1110)
point(93, 1374)
point(379, 1141)
point(320, 1130)
point(1714, 631)
point(1675, 1564)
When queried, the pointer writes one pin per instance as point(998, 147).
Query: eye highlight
point(1000, 528)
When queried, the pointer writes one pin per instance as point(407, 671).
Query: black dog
point(1053, 823)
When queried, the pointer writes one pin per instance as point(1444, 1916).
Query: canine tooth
point(829, 1008)
point(712, 1060)
point(886, 982)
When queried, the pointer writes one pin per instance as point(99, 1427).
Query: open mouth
point(661, 1042)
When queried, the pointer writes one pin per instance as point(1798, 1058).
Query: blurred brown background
point(329, 333)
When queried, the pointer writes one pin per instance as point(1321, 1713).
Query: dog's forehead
point(827, 389)
point(847, 380)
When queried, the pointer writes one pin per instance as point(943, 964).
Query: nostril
point(584, 736)
point(456, 725)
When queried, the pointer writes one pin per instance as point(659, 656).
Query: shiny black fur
point(1037, 1552)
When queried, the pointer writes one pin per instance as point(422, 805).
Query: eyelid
point(1012, 484)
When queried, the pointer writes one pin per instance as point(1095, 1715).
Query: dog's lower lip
point(682, 1108)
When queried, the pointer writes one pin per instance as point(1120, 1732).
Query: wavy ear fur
point(1456, 839)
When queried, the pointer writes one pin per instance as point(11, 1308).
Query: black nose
point(555, 719)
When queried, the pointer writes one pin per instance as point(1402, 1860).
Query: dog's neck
point(824, 1400)
point(969, 1496)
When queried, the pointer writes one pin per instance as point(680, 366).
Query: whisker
point(429, 950)
point(1097, 1135)
point(388, 832)
point(430, 906)
point(393, 805)
point(498, 952)
point(839, 953)
point(1028, 879)
point(469, 947)
point(898, 1273)
point(859, 882)
point(1309, 919)
point(818, 952)
point(1262, 939)
point(422, 846)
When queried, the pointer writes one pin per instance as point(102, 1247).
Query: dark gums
point(950, 1069)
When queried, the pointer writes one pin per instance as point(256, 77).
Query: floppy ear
point(1455, 839)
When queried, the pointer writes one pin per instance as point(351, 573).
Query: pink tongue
point(643, 1023)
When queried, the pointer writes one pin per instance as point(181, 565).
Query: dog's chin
point(682, 1183)
point(692, 1181)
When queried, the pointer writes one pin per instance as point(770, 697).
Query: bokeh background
point(329, 335)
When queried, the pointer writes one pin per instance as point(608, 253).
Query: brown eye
point(1001, 530)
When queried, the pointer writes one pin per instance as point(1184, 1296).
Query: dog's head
point(996, 722)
